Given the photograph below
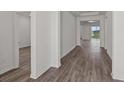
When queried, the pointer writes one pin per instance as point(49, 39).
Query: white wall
point(102, 31)
point(23, 23)
point(78, 31)
point(42, 32)
point(86, 31)
point(81, 31)
point(7, 50)
point(68, 32)
point(108, 33)
point(118, 45)
point(55, 39)
point(45, 42)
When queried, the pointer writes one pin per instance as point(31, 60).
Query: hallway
point(87, 63)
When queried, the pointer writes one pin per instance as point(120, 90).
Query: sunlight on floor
point(95, 45)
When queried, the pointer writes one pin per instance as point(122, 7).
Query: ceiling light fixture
point(91, 21)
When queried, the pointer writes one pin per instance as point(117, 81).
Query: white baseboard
point(2, 71)
point(5, 70)
point(56, 66)
point(117, 78)
point(24, 44)
point(68, 51)
point(37, 75)
point(33, 76)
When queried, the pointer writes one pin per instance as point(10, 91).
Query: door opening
point(23, 40)
point(90, 31)
point(95, 33)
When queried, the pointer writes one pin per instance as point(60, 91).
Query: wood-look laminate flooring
point(23, 72)
point(88, 63)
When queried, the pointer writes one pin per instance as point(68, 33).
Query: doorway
point(95, 32)
point(23, 42)
point(90, 31)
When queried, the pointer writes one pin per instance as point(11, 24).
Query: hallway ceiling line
point(87, 13)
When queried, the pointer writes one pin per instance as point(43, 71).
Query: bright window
point(95, 28)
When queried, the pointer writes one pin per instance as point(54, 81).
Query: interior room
point(52, 46)
point(23, 41)
point(58, 53)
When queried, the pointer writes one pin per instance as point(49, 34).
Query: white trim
point(55, 39)
point(78, 31)
point(37, 75)
point(16, 46)
point(117, 78)
point(113, 47)
point(68, 51)
point(4, 70)
point(59, 43)
point(33, 45)
point(33, 76)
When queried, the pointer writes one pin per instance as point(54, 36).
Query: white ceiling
point(87, 13)
point(96, 23)
point(26, 13)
